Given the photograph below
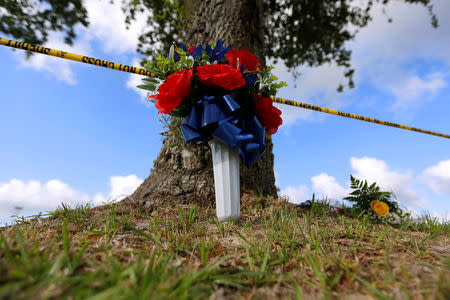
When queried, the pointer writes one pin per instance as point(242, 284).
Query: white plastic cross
point(226, 180)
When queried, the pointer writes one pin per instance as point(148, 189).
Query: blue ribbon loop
point(192, 119)
point(230, 105)
point(220, 118)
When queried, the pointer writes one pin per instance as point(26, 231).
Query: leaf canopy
point(299, 32)
point(31, 21)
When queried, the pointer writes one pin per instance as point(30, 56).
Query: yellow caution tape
point(353, 116)
point(129, 69)
point(75, 57)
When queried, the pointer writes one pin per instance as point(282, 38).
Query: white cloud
point(442, 216)
point(405, 186)
point(382, 56)
point(400, 183)
point(437, 177)
point(327, 187)
point(320, 84)
point(21, 197)
point(120, 187)
point(132, 83)
point(383, 51)
point(107, 28)
point(415, 89)
point(316, 85)
point(124, 185)
point(107, 25)
point(409, 36)
point(60, 69)
point(277, 178)
point(27, 198)
point(114, 37)
point(296, 194)
point(134, 80)
point(291, 114)
point(324, 187)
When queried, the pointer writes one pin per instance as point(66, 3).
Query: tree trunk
point(183, 173)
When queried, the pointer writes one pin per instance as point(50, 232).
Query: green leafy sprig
point(363, 194)
point(267, 82)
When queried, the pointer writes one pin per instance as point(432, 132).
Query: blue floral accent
point(218, 53)
point(197, 51)
point(251, 79)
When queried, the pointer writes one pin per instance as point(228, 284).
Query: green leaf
point(171, 52)
point(149, 87)
point(150, 80)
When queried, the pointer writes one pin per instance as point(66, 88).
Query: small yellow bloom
point(380, 208)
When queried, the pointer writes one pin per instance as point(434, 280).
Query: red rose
point(191, 48)
point(173, 91)
point(220, 75)
point(245, 57)
point(268, 114)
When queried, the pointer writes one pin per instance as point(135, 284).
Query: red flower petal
point(269, 115)
point(173, 91)
point(244, 57)
point(220, 75)
point(191, 48)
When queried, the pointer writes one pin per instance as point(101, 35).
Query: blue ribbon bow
point(221, 118)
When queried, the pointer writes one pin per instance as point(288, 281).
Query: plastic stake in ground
point(226, 180)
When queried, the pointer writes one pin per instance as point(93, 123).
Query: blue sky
point(77, 133)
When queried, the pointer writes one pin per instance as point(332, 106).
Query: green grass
point(274, 251)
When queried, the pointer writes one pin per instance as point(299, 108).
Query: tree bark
point(183, 173)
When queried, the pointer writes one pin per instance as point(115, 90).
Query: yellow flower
point(380, 208)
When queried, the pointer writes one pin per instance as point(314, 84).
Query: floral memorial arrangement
point(221, 93)
point(367, 200)
point(376, 204)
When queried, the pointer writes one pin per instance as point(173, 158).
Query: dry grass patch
point(274, 251)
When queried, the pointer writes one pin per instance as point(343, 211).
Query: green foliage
point(300, 32)
point(149, 84)
point(162, 66)
point(31, 21)
point(363, 194)
point(311, 32)
point(77, 215)
point(166, 21)
point(188, 216)
point(268, 83)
